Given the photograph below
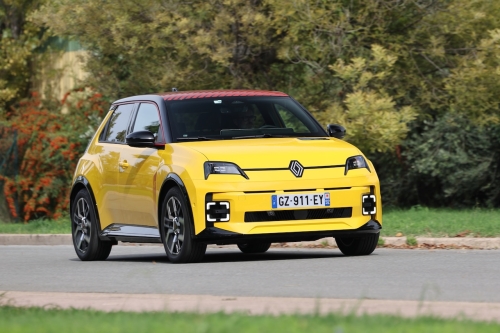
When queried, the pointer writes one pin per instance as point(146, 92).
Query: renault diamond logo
point(296, 168)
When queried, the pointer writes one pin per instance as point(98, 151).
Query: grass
point(19, 320)
point(411, 241)
point(60, 226)
point(422, 221)
point(418, 221)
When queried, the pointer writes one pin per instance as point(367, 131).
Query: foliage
point(390, 71)
point(451, 162)
point(304, 48)
point(475, 83)
point(374, 121)
point(36, 179)
point(19, 39)
point(455, 162)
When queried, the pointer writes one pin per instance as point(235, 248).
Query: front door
point(108, 152)
point(137, 170)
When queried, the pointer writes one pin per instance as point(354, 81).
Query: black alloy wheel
point(358, 246)
point(84, 229)
point(254, 247)
point(177, 230)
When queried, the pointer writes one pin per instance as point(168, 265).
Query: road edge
point(391, 242)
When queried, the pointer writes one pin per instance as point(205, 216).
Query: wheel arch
point(173, 180)
point(82, 183)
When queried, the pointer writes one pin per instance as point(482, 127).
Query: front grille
point(299, 214)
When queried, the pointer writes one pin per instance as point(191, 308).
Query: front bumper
point(255, 197)
point(214, 235)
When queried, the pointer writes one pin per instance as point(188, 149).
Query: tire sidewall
point(93, 244)
point(188, 227)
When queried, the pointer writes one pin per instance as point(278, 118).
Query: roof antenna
point(174, 90)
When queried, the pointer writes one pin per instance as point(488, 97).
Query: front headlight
point(222, 168)
point(356, 162)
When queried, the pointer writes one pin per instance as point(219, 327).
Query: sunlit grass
point(60, 226)
point(19, 320)
point(442, 222)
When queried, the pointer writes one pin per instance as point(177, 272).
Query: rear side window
point(116, 129)
point(148, 119)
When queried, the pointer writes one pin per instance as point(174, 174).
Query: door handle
point(123, 164)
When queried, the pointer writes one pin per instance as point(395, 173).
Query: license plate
point(300, 200)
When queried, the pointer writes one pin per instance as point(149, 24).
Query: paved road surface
point(433, 275)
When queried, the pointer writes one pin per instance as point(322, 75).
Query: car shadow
point(270, 255)
point(218, 256)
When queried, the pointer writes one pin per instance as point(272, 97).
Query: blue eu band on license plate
point(300, 200)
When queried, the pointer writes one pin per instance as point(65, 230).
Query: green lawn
point(19, 320)
point(60, 226)
point(412, 222)
point(442, 222)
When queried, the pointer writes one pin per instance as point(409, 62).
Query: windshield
point(239, 118)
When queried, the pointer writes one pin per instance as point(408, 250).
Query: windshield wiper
point(196, 138)
point(267, 135)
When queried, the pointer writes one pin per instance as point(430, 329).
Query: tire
point(258, 247)
point(85, 229)
point(177, 232)
point(357, 246)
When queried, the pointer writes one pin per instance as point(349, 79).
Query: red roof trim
point(174, 96)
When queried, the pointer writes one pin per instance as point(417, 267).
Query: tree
point(19, 38)
point(474, 84)
point(375, 123)
point(380, 67)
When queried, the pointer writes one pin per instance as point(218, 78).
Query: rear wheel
point(257, 247)
point(85, 229)
point(357, 246)
point(177, 230)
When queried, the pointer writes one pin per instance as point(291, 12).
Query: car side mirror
point(140, 139)
point(336, 131)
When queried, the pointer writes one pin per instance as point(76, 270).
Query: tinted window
point(116, 129)
point(290, 120)
point(147, 119)
point(234, 117)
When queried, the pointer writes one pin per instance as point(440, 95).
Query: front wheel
point(177, 230)
point(357, 246)
point(85, 229)
point(259, 247)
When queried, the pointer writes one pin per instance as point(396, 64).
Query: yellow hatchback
point(242, 167)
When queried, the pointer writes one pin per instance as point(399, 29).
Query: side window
point(290, 120)
point(116, 129)
point(147, 120)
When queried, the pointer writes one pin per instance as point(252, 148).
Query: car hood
point(276, 152)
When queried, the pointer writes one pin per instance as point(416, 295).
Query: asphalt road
point(433, 275)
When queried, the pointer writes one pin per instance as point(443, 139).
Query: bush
point(449, 162)
point(41, 149)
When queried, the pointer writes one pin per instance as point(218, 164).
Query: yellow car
point(243, 167)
